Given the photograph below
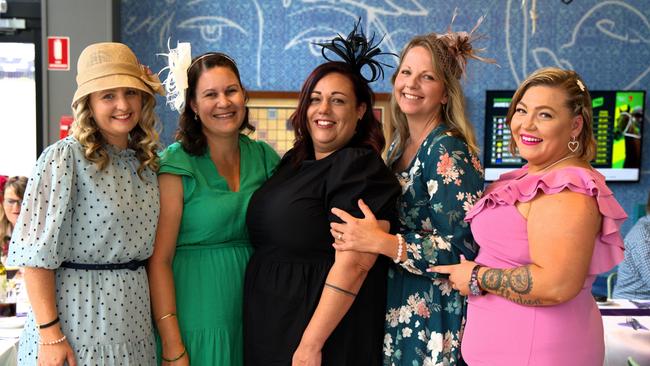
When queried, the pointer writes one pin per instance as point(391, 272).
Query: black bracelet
point(338, 289)
point(47, 325)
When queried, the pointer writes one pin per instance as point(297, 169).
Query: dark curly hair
point(190, 132)
point(369, 130)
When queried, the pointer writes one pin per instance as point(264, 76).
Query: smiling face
point(542, 126)
point(220, 102)
point(116, 112)
point(11, 205)
point(332, 114)
point(419, 92)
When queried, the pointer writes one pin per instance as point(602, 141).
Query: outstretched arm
point(562, 230)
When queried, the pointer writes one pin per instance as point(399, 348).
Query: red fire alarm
point(58, 53)
point(64, 126)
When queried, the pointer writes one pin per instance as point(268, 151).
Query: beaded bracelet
point(60, 340)
point(400, 247)
point(48, 324)
point(176, 358)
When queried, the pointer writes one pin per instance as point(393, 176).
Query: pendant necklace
point(554, 163)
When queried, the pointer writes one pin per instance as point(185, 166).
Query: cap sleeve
point(175, 160)
point(41, 237)
point(361, 173)
point(608, 249)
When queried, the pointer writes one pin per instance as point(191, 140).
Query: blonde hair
point(578, 101)
point(450, 53)
point(143, 139)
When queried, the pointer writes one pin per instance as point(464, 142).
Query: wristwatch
point(474, 288)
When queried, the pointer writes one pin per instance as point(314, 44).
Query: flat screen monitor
point(617, 125)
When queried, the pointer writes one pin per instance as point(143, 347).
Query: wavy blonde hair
point(143, 139)
point(450, 53)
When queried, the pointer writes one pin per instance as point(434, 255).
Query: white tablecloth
point(10, 329)
point(622, 341)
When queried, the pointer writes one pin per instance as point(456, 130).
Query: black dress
point(288, 222)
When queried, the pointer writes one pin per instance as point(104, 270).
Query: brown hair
point(369, 131)
point(578, 101)
point(450, 53)
point(190, 131)
point(18, 184)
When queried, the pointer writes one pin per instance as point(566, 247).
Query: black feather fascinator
point(357, 51)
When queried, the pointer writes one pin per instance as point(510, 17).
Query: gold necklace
point(555, 163)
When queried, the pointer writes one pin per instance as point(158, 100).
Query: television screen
point(617, 124)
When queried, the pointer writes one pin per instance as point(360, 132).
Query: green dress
point(213, 249)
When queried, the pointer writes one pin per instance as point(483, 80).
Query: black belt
point(132, 265)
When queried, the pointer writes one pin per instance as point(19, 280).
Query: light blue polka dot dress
point(74, 212)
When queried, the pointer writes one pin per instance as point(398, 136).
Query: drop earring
point(573, 144)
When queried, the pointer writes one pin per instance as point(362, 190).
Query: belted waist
point(132, 265)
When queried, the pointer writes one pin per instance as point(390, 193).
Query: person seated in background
point(12, 193)
point(633, 280)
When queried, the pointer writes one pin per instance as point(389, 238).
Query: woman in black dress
point(305, 303)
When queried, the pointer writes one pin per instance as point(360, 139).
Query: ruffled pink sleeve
point(519, 186)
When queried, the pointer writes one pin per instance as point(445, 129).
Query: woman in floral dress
point(433, 155)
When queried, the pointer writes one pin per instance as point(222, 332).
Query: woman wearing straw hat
point(89, 220)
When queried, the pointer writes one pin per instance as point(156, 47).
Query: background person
point(206, 180)
point(633, 278)
point(14, 190)
point(545, 231)
point(89, 219)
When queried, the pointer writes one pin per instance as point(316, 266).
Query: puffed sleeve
point(175, 160)
point(361, 173)
point(41, 237)
point(454, 181)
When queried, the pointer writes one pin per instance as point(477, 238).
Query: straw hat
point(110, 65)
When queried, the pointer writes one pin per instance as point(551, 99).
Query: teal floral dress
point(425, 316)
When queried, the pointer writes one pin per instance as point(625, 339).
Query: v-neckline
point(417, 152)
point(216, 170)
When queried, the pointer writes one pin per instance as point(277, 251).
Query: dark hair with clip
point(190, 132)
point(369, 132)
point(357, 51)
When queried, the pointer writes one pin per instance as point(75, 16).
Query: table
point(623, 308)
point(622, 340)
point(10, 329)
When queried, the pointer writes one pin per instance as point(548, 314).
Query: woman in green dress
point(201, 249)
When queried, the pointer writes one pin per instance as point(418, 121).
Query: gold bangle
point(166, 316)
point(175, 358)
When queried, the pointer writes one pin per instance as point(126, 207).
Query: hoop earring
point(573, 145)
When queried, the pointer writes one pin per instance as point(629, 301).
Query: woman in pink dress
point(544, 232)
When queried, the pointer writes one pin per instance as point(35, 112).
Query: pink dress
point(500, 332)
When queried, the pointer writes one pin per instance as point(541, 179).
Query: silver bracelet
point(400, 247)
point(57, 341)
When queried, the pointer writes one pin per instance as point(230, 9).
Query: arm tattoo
point(511, 284)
